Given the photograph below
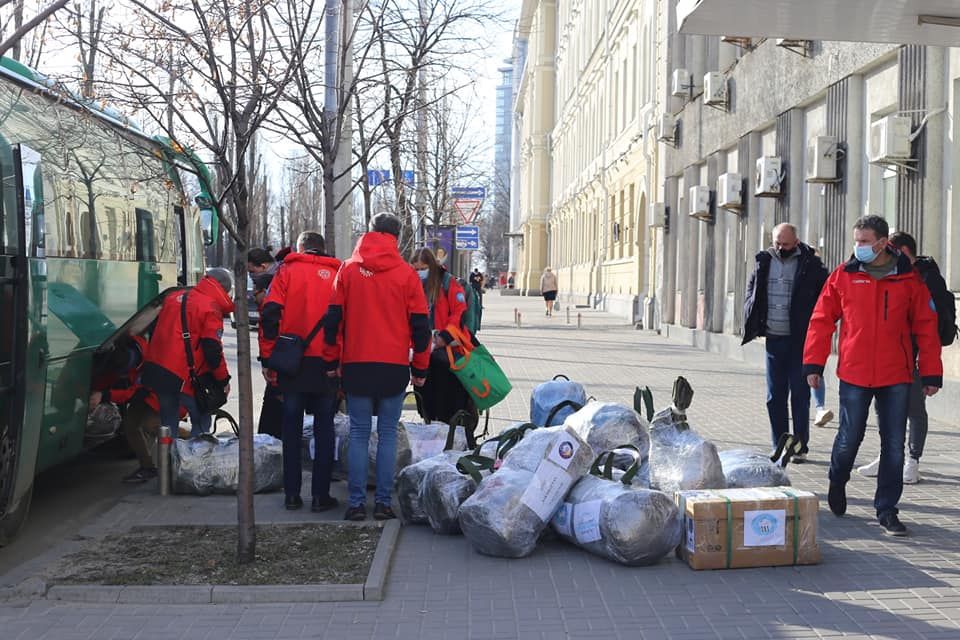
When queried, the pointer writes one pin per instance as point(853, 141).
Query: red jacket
point(450, 305)
point(299, 295)
point(165, 368)
point(377, 312)
point(877, 319)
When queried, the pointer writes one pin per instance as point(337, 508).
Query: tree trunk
point(329, 217)
point(407, 241)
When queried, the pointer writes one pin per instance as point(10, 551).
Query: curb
point(372, 589)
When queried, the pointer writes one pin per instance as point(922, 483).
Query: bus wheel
point(12, 521)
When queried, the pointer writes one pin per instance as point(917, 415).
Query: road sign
point(468, 237)
point(469, 193)
point(467, 209)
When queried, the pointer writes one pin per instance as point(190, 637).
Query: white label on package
point(547, 489)
point(563, 450)
point(691, 535)
point(764, 528)
point(586, 521)
point(563, 521)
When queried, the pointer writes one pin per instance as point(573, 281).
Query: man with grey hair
point(781, 294)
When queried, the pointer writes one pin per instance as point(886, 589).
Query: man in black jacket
point(781, 294)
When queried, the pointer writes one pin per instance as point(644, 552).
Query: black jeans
point(917, 417)
point(324, 407)
point(891, 404)
point(785, 380)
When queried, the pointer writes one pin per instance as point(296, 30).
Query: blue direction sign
point(468, 237)
point(469, 193)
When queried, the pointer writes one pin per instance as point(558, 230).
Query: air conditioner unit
point(769, 177)
point(666, 128)
point(715, 89)
point(658, 215)
point(698, 205)
point(730, 191)
point(682, 83)
point(822, 159)
point(890, 140)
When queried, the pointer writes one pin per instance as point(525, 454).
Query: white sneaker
point(870, 470)
point(911, 471)
point(824, 416)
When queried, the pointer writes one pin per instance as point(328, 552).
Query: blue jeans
point(170, 413)
point(819, 395)
point(785, 380)
point(891, 403)
point(324, 407)
point(361, 410)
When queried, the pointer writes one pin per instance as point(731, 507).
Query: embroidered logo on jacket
point(366, 273)
point(324, 274)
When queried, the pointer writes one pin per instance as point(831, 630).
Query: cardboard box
point(736, 528)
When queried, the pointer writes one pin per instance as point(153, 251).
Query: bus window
point(182, 244)
point(146, 237)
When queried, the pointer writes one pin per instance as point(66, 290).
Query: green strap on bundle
point(729, 530)
point(796, 523)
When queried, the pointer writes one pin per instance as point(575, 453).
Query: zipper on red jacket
point(886, 300)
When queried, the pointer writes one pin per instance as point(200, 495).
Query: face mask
point(786, 253)
point(865, 253)
point(423, 273)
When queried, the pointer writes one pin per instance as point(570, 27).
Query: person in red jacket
point(165, 369)
point(295, 306)
point(262, 267)
point(377, 313)
point(881, 302)
point(443, 395)
point(141, 414)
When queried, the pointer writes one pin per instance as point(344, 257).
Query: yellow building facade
point(603, 162)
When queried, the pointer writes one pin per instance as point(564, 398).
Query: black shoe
point(892, 526)
point(383, 512)
point(292, 503)
point(794, 448)
point(324, 504)
point(356, 514)
point(782, 443)
point(837, 499)
point(141, 475)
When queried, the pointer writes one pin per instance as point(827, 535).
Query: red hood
point(377, 252)
point(212, 289)
point(312, 258)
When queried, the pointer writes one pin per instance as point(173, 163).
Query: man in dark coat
point(781, 294)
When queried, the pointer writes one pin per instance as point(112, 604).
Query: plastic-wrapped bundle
point(681, 459)
point(608, 425)
point(619, 522)
point(103, 423)
point(442, 491)
point(409, 483)
point(551, 402)
point(211, 465)
point(745, 469)
point(512, 507)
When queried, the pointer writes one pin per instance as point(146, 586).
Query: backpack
point(471, 317)
point(943, 300)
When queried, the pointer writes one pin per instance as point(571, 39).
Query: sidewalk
point(867, 586)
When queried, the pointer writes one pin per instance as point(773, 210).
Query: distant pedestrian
point(294, 309)
point(549, 288)
point(167, 369)
point(443, 395)
point(946, 318)
point(882, 306)
point(377, 318)
point(477, 280)
point(262, 267)
point(781, 294)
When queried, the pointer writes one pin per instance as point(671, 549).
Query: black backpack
point(943, 299)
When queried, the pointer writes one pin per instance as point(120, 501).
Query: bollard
point(579, 321)
point(164, 441)
point(518, 320)
point(568, 315)
point(516, 315)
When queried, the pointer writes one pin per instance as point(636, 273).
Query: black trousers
point(271, 413)
point(443, 396)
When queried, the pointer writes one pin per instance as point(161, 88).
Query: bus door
point(148, 277)
point(14, 270)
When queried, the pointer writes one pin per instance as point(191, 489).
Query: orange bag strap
point(460, 336)
point(454, 366)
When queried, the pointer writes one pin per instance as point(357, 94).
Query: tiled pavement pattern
point(867, 585)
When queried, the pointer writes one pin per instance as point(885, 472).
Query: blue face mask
point(423, 273)
point(865, 253)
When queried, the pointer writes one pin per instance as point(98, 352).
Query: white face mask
point(423, 273)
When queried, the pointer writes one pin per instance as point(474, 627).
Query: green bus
point(94, 225)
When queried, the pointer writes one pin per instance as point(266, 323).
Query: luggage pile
point(208, 464)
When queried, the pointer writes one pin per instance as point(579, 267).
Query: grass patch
point(318, 553)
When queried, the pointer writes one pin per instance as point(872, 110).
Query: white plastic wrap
point(608, 425)
point(681, 459)
point(744, 469)
point(211, 465)
point(550, 402)
point(103, 423)
point(410, 481)
point(442, 492)
point(512, 507)
point(625, 524)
